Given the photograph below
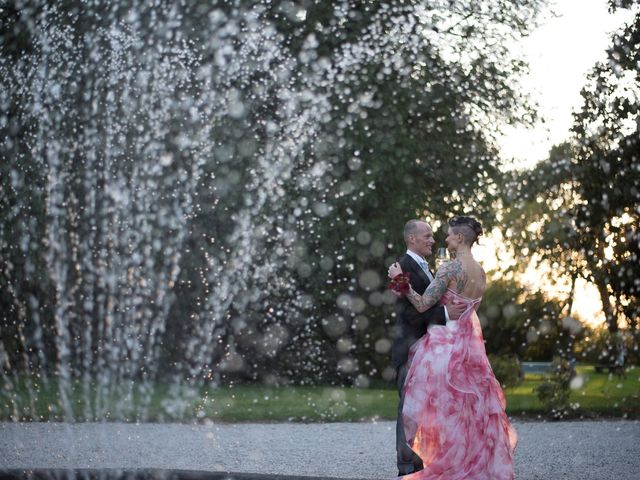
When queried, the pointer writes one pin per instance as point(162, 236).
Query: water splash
point(131, 126)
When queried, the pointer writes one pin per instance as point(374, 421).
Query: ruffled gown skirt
point(454, 408)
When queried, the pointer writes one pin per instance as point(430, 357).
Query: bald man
point(411, 325)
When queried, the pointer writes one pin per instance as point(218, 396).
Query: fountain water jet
point(120, 123)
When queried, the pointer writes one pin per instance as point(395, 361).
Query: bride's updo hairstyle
point(469, 227)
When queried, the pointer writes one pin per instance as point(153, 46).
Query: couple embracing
point(451, 416)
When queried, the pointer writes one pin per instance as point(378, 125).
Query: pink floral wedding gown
point(454, 409)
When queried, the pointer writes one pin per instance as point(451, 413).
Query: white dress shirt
point(422, 262)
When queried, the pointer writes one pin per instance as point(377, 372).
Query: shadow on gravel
point(146, 474)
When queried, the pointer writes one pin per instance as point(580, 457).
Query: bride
point(454, 409)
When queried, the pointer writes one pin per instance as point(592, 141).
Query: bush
point(554, 391)
point(507, 369)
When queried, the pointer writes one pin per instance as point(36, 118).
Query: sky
point(560, 53)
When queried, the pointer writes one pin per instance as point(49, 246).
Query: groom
point(411, 325)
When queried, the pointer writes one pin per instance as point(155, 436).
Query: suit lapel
point(419, 271)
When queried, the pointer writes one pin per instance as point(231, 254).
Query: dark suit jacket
point(411, 324)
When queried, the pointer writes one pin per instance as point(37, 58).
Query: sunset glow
point(495, 258)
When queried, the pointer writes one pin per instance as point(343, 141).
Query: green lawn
point(600, 395)
point(245, 403)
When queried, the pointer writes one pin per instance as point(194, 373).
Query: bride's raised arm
point(433, 293)
point(435, 290)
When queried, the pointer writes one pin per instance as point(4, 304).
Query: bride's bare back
point(466, 277)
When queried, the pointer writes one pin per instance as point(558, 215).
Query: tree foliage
point(516, 321)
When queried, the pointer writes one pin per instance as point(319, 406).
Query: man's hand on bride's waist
point(455, 310)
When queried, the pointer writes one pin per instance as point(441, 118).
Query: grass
point(245, 403)
point(600, 395)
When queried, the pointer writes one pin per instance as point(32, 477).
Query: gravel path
point(564, 450)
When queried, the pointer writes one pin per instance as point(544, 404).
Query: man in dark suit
point(411, 325)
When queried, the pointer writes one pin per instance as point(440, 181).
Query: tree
point(578, 211)
point(604, 169)
point(405, 140)
point(210, 180)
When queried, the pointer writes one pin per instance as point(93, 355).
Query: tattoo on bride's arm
point(431, 296)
